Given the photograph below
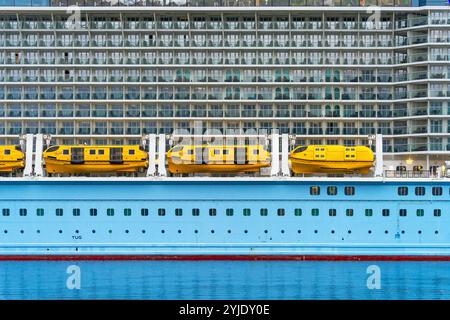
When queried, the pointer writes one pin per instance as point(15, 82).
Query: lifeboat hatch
point(240, 156)
point(77, 155)
point(116, 155)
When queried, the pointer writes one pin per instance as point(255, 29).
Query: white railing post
point(151, 171)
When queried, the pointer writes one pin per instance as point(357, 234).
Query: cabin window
point(437, 191)
point(178, 212)
point(144, 212)
point(314, 190)
point(349, 212)
point(22, 212)
point(5, 212)
point(420, 191)
point(315, 212)
point(229, 212)
point(110, 212)
point(40, 212)
point(402, 212)
point(332, 212)
point(76, 212)
point(7, 151)
point(332, 190)
point(66, 151)
point(385, 212)
point(368, 212)
point(420, 212)
point(402, 191)
point(59, 212)
point(437, 212)
point(281, 212)
point(349, 191)
point(297, 212)
point(93, 212)
point(213, 212)
point(196, 212)
point(101, 151)
point(131, 152)
point(264, 212)
point(161, 212)
point(126, 212)
point(247, 212)
point(91, 151)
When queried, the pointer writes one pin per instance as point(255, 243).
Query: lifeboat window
point(161, 212)
point(420, 191)
point(437, 191)
point(437, 212)
point(226, 151)
point(281, 212)
point(196, 212)
point(317, 149)
point(332, 212)
point(256, 152)
point(190, 151)
point(59, 212)
point(213, 212)
point(110, 212)
point(22, 212)
point(315, 212)
point(101, 151)
point(18, 148)
point(298, 212)
point(127, 212)
point(178, 212)
point(332, 190)
point(385, 212)
point(402, 212)
point(264, 212)
point(93, 212)
point(349, 191)
point(7, 151)
point(402, 191)
point(91, 151)
point(420, 212)
point(66, 151)
point(368, 212)
point(52, 149)
point(300, 149)
point(5, 212)
point(76, 212)
point(349, 212)
point(40, 212)
point(216, 151)
point(314, 190)
point(247, 212)
point(230, 212)
point(131, 152)
point(144, 212)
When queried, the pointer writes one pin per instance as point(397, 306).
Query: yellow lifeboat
point(217, 158)
point(11, 158)
point(332, 159)
point(95, 159)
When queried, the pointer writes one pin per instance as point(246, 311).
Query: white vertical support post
point(38, 165)
point(379, 155)
point(28, 170)
point(151, 171)
point(285, 155)
point(162, 155)
point(275, 168)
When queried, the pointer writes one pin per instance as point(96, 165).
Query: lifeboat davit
point(95, 159)
point(11, 158)
point(333, 159)
point(217, 158)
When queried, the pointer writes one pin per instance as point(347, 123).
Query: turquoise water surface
point(223, 280)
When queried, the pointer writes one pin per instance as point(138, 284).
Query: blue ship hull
point(224, 219)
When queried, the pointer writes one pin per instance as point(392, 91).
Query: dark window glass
point(281, 212)
point(247, 212)
point(22, 212)
point(76, 212)
point(402, 212)
point(437, 191)
point(332, 190)
point(385, 213)
point(332, 212)
point(229, 212)
point(59, 212)
point(131, 152)
point(178, 212)
point(297, 212)
point(91, 151)
point(264, 212)
point(420, 212)
point(314, 190)
point(5, 212)
point(315, 212)
point(144, 212)
point(212, 211)
point(369, 212)
point(349, 191)
point(110, 212)
point(126, 212)
point(349, 212)
point(161, 212)
point(437, 212)
point(402, 191)
point(196, 212)
point(93, 212)
point(420, 191)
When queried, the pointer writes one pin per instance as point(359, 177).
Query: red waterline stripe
point(224, 257)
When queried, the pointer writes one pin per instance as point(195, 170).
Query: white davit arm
point(151, 171)
point(285, 155)
point(28, 171)
point(162, 155)
point(38, 164)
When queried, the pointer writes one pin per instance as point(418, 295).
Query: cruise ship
point(91, 85)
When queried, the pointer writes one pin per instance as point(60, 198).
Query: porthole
point(370, 231)
point(60, 231)
point(420, 232)
point(163, 231)
point(143, 231)
point(403, 231)
point(196, 231)
point(38, 231)
point(402, 191)
point(212, 231)
point(299, 231)
point(76, 231)
point(110, 231)
point(315, 231)
point(21, 231)
point(179, 231)
point(349, 231)
point(436, 232)
point(265, 231)
point(127, 231)
point(229, 231)
point(93, 231)
point(385, 231)
point(332, 231)
point(6, 231)
point(245, 231)
point(282, 231)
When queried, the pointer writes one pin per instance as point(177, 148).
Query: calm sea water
point(224, 280)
